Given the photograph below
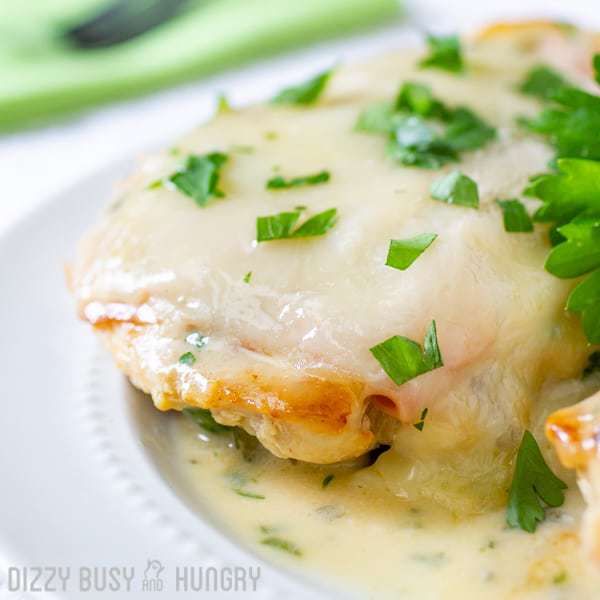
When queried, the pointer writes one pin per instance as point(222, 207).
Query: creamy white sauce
point(357, 536)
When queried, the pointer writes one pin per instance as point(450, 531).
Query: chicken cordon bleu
point(360, 262)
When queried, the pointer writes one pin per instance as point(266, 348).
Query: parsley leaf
point(279, 226)
point(581, 252)
point(247, 494)
point(516, 218)
point(571, 124)
point(402, 253)
point(281, 544)
point(403, 359)
point(380, 117)
point(247, 277)
point(414, 143)
point(204, 419)
point(574, 189)
point(421, 422)
point(532, 481)
point(304, 93)
point(444, 53)
point(199, 179)
point(542, 81)
point(456, 188)
point(417, 99)
point(585, 298)
point(279, 183)
point(466, 131)
point(187, 358)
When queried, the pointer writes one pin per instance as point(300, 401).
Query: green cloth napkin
point(43, 76)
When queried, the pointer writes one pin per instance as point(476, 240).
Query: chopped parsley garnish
point(187, 358)
point(542, 81)
point(580, 253)
point(304, 93)
point(575, 188)
point(417, 99)
point(223, 105)
point(403, 359)
point(247, 494)
point(205, 420)
point(281, 544)
point(280, 183)
point(378, 118)
point(532, 481)
point(593, 364)
point(403, 253)
point(516, 218)
point(444, 53)
point(327, 480)
point(572, 119)
point(247, 277)
point(466, 131)
point(421, 422)
point(197, 339)
point(456, 188)
point(199, 179)
point(415, 143)
point(279, 226)
point(423, 132)
point(585, 299)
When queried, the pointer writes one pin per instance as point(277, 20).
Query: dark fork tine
point(122, 21)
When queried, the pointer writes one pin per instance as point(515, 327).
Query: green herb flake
point(197, 340)
point(516, 218)
point(204, 419)
point(199, 179)
point(156, 184)
point(403, 359)
point(403, 253)
point(304, 93)
point(542, 82)
point(421, 422)
point(585, 299)
point(415, 144)
point(560, 578)
point(413, 141)
point(282, 544)
point(223, 105)
point(378, 118)
point(279, 226)
point(247, 277)
point(187, 358)
point(444, 53)
point(247, 494)
point(327, 480)
point(466, 131)
point(580, 253)
point(456, 188)
point(280, 183)
point(532, 481)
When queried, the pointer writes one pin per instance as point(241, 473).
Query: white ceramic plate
point(85, 473)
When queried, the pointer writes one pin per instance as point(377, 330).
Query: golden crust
point(283, 410)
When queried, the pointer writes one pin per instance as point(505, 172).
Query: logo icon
point(152, 580)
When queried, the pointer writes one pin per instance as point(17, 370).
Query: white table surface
point(37, 164)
